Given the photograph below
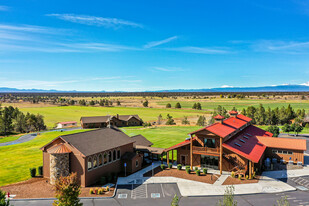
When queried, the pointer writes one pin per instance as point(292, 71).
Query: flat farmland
point(210, 104)
point(53, 115)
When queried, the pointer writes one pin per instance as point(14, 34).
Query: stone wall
point(59, 166)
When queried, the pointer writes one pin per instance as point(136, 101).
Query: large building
point(104, 121)
point(92, 154)
point(234, 144)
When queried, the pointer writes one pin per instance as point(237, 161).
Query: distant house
point(103, 121)
point(61, 125)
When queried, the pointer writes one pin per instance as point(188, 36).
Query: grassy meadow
point(210, 104)
point(53, 115)
point(9, 138)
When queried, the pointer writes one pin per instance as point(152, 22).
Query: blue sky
point(153, 45)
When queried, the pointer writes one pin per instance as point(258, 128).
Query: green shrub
point(253, 175)
point(91, 191)
point(198, 172)
point(195, 168)
point(233, 174)
point(247, 177)
point(40, 170)
point(187, 167)
point(103, 180)
point(170, 165)
point(32, 172)
point(188, 170)
point(239, 176)
point(205, 171)
point(3, 201)
point(162, 166)
point(179, 166)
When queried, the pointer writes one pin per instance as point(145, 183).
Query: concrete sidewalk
point(194, 188)
point(287, 173)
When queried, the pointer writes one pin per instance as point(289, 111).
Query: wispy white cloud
point(200, 50)
point(157, 43)
point(4, 8)
point(29, 28)
point(95, 20)
point(291, 47)
point(227, 86)
point(168, 69)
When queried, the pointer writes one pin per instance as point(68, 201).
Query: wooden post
point(167, 158)
point(172, 156)
point(191, 153)
point(221, 156)
point(250, 170)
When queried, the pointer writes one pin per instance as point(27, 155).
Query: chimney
point(233, 113)
point(219, 119)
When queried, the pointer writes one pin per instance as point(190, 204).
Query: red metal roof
point(246, 144)
point(283, 143)
point(244, 118)
point(233, 112)
point(71, 122)
point(186, 142)
point(219, 117)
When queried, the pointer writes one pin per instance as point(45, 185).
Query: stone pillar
point(59, 166)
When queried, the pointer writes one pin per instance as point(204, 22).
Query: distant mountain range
point(279, 88)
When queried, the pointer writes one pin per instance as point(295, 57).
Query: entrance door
point(183, 160)
point(209, 161)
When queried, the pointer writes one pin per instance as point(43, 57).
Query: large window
point(89, 163)
point(105, 158)
point(109, 156)
point(118, 154)
point(210, 143)
point(95, 161)
point(100, 160)
point(114, 155)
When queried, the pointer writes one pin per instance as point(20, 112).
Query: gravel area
point(209, 178)
point(40, 188)
point(235, 181)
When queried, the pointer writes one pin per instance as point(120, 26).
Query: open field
point(15, 160)
point(53, 115)
point(162, 136)
point(9, 138)
point(210, 104)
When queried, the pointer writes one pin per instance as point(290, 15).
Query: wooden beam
point(221, 156)
point(167, 158)
point(250, 170)
point(191, 153)
point(172, 156)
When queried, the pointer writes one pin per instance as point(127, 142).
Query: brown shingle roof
point(141, 140)
point(95, 141)
point(98, 119)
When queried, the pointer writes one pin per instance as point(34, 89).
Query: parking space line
point(162, 191)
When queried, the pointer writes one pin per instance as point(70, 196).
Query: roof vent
point(237, 144)
point(242, 140)
point(246, 137)
point(249, 134)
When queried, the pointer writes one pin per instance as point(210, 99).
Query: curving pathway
point(31, 136)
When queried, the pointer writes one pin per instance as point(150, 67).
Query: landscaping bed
point(235, 181)
point(158, 172)
point(39, 187)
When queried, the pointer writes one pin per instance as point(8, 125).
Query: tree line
point(13, 120)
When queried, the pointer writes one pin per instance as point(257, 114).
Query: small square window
point(136, 163)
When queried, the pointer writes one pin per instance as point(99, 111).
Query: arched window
point(95, 162)
point(109, 156)
point(118, 154)
point(100, 160)
point(105, 158)
point(114, 155)
point(89, 163)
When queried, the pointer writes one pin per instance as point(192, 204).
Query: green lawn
point(239, 104)
point(15, 160)
point(163, 137)
point(10, 138)
point(53, 115)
